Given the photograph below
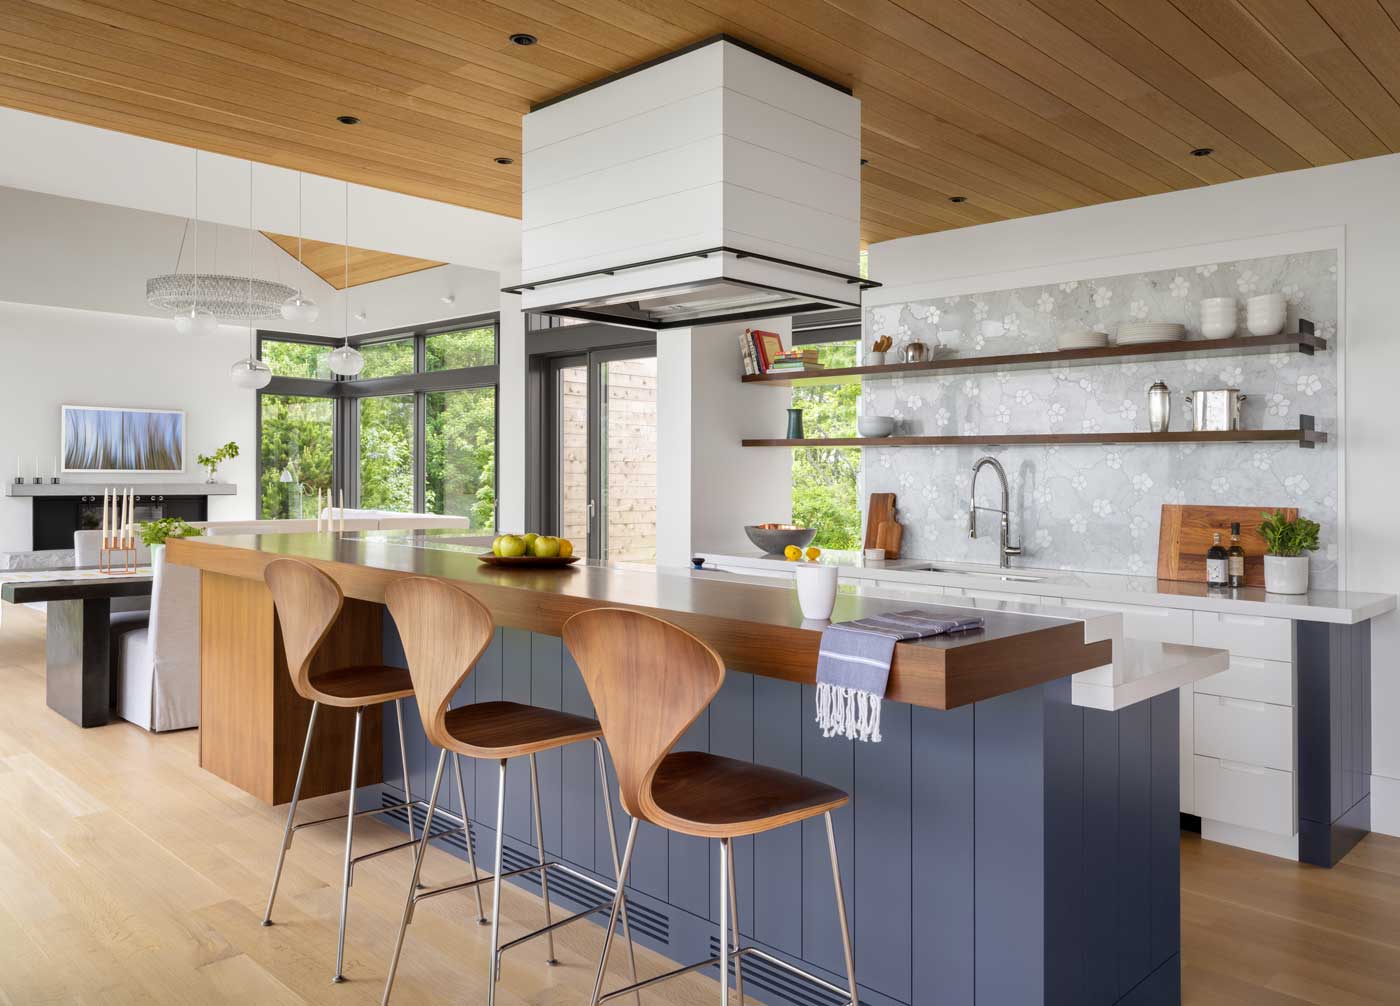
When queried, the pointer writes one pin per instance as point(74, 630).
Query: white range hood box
point(715, 184)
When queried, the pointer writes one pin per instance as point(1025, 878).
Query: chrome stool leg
point(841, 912)
point(539, 845)
point(734, 922)
point(616, 909)
point(413, 883)
point(724, 908)
point(291, 815)
point(617, 866)
point(467, 834)
point(349, 843)
point(496, 887)
point(403, 762)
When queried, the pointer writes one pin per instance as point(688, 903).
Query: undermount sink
point(987, 574)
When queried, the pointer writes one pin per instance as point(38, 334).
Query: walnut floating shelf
point(1303, 341)
point(1304, 436)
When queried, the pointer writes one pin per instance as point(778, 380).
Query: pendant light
point(250, 372)
point(346, 360)
point(299, 308)
point(197, 321)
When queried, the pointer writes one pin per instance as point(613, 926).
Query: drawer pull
point(1235, 766)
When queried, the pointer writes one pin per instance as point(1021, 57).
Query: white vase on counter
point(1286, 574)
point(816, 589)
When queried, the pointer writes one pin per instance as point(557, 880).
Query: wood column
point(253, 724)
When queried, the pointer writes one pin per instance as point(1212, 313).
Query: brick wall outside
point(629, 455)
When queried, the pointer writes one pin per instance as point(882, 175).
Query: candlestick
point(130, 515)
point(38, 479)
point(342, 511)
point(105, 541)
point(318, 511)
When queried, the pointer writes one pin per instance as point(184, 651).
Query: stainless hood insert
point(732, 292)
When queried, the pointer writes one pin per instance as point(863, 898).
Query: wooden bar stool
point(649, 681)
point(308, 603)
point(444, 631)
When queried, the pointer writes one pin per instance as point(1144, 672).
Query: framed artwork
point(98, 439)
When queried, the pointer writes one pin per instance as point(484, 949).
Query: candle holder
point(37, 480)
point(115, 557)
point(53, 480)
point(19, 480)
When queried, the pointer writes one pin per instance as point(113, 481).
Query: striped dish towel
point(853, 666)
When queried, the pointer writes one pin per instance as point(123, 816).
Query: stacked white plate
point(1134, 333)
point(1081, 338)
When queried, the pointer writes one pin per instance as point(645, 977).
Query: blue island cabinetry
point(1015, 851)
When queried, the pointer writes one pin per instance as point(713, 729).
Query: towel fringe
point(848, 712)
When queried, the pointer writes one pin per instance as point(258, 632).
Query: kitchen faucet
point(1006, 550)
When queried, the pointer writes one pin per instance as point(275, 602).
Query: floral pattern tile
point(1097, 508)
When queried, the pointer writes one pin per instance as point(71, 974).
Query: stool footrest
point(602, 906)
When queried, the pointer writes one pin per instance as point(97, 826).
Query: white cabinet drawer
point(1246, 795)
point(1246, 635)
point(1001, 595)
point(1186, 737)
point(904, 586)
point(1252, 678)
point(1255, 733)
point(1160, 625)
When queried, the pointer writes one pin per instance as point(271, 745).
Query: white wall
point(1363, 197)
point(83, 162)
point(708, 486)
point(56, 356)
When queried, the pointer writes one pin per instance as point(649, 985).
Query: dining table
point(79, 684)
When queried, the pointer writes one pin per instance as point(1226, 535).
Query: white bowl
point(875, 426)
point(1218, 328)
point(1262, 325)
point(1218, 304)
point(1267, 301)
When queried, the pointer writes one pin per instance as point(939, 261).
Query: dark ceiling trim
point(682, 52)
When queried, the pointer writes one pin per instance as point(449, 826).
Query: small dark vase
point(794, 424)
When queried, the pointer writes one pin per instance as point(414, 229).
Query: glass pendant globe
point(346, 361)
point(302, 310)
point(196, 321)
point(250, 373)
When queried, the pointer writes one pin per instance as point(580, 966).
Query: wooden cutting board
point(879, 514)
point(1187, 532)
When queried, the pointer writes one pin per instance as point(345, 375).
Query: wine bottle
point(1235, 557)
point(1217, 565)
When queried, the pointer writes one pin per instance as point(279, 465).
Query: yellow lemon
point(814, 553)
point(566, 548)
point(792, 553)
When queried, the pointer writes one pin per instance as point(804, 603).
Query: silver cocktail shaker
point(1159, 408)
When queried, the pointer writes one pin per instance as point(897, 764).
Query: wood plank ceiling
point(1020, 106)
point(365, 266)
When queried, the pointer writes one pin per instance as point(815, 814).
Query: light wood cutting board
point(1187, 532)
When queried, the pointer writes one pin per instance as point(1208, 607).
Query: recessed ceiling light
point(1202, 151)
point(957, 199)
point(505, 160)
point(522, 38)
point(347, 120)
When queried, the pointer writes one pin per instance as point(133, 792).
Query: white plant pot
point(1286, 574)
point(874, 358)
point(816, 589)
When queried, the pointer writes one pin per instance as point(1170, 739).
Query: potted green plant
point(211, 462)
point(1286, 561)
point(155, 533)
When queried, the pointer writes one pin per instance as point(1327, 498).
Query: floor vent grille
point(646, 921)
point(761, 975)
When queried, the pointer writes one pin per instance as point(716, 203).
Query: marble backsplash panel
point(1098, 508)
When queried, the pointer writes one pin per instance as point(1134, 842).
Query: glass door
point(604, 413)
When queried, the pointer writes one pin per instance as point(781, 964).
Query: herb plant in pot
point(1286, 561)
point(154, 534)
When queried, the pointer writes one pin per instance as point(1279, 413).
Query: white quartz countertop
point(1342, 607)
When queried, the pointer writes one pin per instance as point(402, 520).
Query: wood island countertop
point(756, 628)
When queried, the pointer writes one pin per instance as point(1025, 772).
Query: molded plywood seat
point(444, 631)
point(308, 602)
point(649, 681)
point(507, 729)
point(709, 796)
point(348, 687)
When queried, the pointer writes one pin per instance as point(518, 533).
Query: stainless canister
point(1159, 408)
point(1215, 409)
point(914, 352)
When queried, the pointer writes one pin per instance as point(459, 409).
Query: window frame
point(346, 392)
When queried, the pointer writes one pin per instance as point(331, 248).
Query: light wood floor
point(128, 875)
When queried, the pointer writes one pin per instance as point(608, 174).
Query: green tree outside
point(826, 480)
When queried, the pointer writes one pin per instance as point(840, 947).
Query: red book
point(770, 346)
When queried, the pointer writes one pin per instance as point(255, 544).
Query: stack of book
point(763, 353)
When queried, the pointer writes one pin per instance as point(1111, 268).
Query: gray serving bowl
point(773, 538)
point(875, 426)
